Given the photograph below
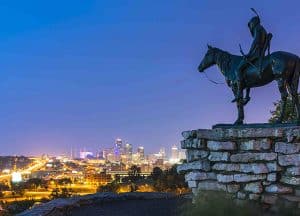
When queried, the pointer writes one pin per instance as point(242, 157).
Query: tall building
point(162, 153)
point(141, 152)
point(174, 152)
point(118, 149)
point(128, 150)
point(85, 154)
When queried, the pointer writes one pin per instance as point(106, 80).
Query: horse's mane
point(223, 60)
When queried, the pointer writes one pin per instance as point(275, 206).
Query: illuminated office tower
point(174, 153)
point(118, 149)
point(128, 150)
point(141, 152)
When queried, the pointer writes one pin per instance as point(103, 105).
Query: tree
point(289, 115)
point(36, 182)
point(61, 193)
point(64, 181)
point(134, 173)
point(156, 173)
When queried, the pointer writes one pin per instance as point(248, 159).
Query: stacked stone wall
point(260, 164)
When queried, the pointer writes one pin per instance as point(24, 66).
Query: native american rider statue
point(261, 42)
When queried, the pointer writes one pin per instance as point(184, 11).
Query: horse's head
point(208, 60)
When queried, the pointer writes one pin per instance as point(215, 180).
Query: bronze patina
point(256, 69)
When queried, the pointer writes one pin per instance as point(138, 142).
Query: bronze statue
point(254, 70)
point(261, 42)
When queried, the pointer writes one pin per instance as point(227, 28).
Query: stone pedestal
point(255, 163)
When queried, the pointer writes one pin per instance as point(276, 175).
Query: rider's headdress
point(254, 20)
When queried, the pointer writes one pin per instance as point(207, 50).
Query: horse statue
point(281, 66)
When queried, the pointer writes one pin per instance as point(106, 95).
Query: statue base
point(253, 161)
point(256, 125)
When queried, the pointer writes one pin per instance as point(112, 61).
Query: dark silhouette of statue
point(255, 69)
point(261, 42)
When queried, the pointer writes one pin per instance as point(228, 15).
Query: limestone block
point(256, 168)
point(287, 160)
point(199, 176)
point(218, 156)
point(272, 177)
point(196, 165)
point(254, 196)
point(192, 184)
point(252, 157)
point(287, 148)
point(254, 187)
point(273, 167)
point(265, 183)
point(257, 144)
point(278, 188)
point(189, 134)
point(269, 199)
point(248, 178)
point(218, 145)
point(195, 154)
point(291, 180)
point(233, 188)
point(291, 198)
point(293, 171)
point(224, 178)
point(226, 167)
point(241, 195)
point(211, 185)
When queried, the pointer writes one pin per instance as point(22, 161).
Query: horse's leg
point(284, 94)
point(240, 107)
point(247, 98)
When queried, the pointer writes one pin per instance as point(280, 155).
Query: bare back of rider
point(257, 51)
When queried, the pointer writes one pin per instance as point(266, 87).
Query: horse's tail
point(296, 75)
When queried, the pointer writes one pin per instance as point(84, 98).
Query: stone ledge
point(62, 205)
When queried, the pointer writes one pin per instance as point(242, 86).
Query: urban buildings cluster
point(125, 153)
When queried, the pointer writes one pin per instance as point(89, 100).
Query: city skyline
point(84, 73)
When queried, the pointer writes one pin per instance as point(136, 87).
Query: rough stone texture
point(241, 195)
point(198, 176)
point(256, 163)
point(256, 168)
point(269, 199)
point(258, 145)
point(252, 157)
point(272, 177)
point(293, 171)
point(273, 167)
point(62, 207)
point(248, 178)
point(254, 187)
point(291, 198)
point(194, 154)
point(224, 178)
point(193, 144)
point(290, 180)
point(233, 188)
point(211, 185)
point(287, 148)
point(254, 196)
point(287, 160)
point(219, 156)
point(196, 165)
point(192, 184)
point(279, 189)
point(217, 145)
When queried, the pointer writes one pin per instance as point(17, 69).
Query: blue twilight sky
point(82, 73)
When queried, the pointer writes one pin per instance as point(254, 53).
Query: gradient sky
point(82, 73)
